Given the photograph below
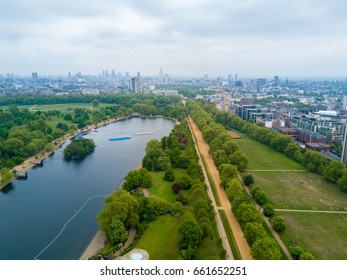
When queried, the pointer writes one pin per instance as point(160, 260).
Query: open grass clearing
point(301, 190)
point(234, 134)
point(163, 188)
point(161, 239)
point(262, 157)
point(324, 235)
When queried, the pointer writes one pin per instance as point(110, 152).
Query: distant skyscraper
point(166, 78)
point(113, 73)
point(69, 75)
point(161, 74)
point(34, 76)
point(235, 78)
point(135, 85)
point(260, 82)
point(205, 77)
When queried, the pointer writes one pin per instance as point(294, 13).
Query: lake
point(52, 214)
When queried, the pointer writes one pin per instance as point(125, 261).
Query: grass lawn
point(301, 190)
point(262, 157)
point(161, 238)
point(163, 188)
point(324, 235)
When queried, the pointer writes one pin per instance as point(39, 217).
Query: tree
point(119, 205)
point(240, 160)
point(190, 234)
point(333, 171)
point(176, 188)
point(296, 252)
point(269, 210)
point(265, 249)
point(248, 179)
point(253, 231)
point(147, 163)
point(306, 256)
point(154, 149)
point(184, 181)
point(227, 172)
point(160, 204)
point(95, 103)
point(260, 197)
point(133, 180)
point(233, 189)
point(247, 213)
point(147, 181)
point(79, 148)
point(117, 233)
point(279, 223)
point(177, 208)
point(169, 175)
point(163, 163)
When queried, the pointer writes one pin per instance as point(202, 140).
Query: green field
point(262, 157)
point(301, 190)
point(161, 239)
point(324, 235)
point(163, 188)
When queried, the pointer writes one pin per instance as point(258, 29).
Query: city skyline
point(188, 38)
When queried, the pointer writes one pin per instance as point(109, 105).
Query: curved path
point(241, 242)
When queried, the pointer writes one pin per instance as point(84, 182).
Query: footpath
point(241, 242)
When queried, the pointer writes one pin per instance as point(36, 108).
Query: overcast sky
point(185, 37)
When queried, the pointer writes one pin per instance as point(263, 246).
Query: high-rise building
point(260, 82)
point(34, 76)
point(135, 85)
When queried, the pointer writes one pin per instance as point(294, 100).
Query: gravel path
point(241, 242)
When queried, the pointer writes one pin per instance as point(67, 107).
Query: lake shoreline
point(29, 164)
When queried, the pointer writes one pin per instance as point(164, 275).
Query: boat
point(79, 136)
point(144, 133)
point(119, 138)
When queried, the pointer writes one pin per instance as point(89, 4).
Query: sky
point(184, 37)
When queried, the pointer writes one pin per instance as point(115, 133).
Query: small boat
point(144, 133)
point(119, 138)
point(79, 136)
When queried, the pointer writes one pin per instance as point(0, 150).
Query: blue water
point(33, 211)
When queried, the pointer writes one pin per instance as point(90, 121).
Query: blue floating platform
point(119, 138)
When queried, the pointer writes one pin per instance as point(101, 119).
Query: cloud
point(185, 36)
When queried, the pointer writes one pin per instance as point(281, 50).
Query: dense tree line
point(332, 170)
point(79, 148)
point(223, 147)
point(145, 104)
point(24, 133)
point(263, 246)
